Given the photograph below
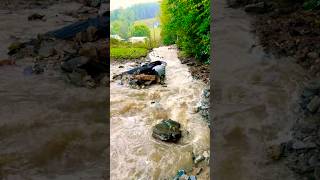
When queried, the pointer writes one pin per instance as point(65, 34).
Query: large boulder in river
point(167, 130)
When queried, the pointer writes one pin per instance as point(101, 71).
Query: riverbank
point(255, 100)
point(46, 121)
point(288, 30)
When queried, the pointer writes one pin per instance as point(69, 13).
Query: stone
point(46, 49)
point(312, 55)
point(314, 104)
point(198, 159)
point(105, 81)
point(15, 47)
point(76, 77)
point(314, 160)
point(302, 145)
point(72, 64)
point(313, 85)
point(167, 130)
point(259, 7)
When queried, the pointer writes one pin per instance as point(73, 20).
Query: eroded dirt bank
point(49, 128)
point(255, 101)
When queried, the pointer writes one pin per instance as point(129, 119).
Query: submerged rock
point(167, 130)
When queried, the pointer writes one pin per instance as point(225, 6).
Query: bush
point(187, 24)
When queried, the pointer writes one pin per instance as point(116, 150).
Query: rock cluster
point(204, 104)
point(143, 75)
point(302, 153)
point(83, 61)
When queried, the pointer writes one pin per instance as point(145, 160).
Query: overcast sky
point(116, 4)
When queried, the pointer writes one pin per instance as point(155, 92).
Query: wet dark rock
point(89, 82)
point(313, 55)
point(314, 161)
point(46, 49)
point(15, 47)
point(314, 104)
point(302, 145)
point(105, 81)
point(72, 64)
point(204, 104)
point(37, 68)
point(167, 130)
point(76, 77)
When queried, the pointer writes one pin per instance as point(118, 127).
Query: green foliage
point(127, 53)
point(140, 30)
point(126, 50)
point(136, 12)
point(187, 23)
point(311, 4)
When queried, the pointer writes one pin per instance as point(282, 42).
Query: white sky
point(116, 4)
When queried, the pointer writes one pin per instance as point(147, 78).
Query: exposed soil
point(286, 30)
point(49, 128)
point(197, 69)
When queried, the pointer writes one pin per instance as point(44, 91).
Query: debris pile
point(79, 51)
point(144, 75)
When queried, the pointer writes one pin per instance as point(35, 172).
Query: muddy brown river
point(134, 152)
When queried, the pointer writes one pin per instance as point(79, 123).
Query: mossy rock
point(167, 130)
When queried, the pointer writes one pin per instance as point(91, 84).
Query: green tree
point(187, 24)
point(140, 30)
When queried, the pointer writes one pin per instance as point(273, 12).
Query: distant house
point(137, 39)
point(117, 37)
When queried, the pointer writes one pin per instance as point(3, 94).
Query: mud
point(49, 129)
point(255, 100)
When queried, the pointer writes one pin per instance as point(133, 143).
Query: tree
point(187, 24)
point(140, 30)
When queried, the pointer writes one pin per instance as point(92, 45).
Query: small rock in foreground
point(167, 130)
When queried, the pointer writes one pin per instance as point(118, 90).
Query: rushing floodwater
point(134, 153)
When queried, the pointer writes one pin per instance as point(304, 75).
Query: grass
point(128, 52)
point(124, 50)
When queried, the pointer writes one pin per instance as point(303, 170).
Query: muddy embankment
point(53, 124)
point(255, 101)
point(287, 29)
